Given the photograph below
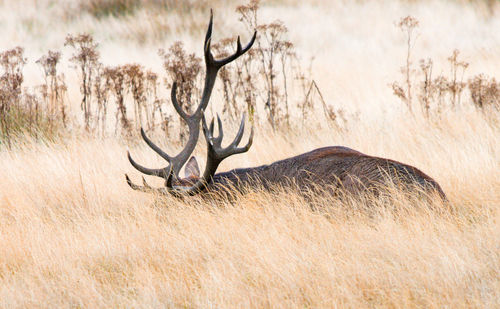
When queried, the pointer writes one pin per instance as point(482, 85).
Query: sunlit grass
point(72, 233)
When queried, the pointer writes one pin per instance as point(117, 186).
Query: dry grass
point(73, 234)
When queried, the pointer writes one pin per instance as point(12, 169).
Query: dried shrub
point(54, 87)
point(484, 91)
point(260, 81)
point(266, 53)
point(458, 69)
point(407, 25)
point(228, 77)
point(156, 104)
point(12, 63)
point(11, 80)
point(102, 87)
point(427, 88)
point(21, 110)
point(270, 54)
point(434, 93)
point(183, 69)
point(336, 118)
point(248, 14)
point(239, 81)
point(135, 79)
point(271, 69)
point(117, 79)
point(86, 58)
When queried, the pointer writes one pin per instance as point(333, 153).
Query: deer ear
point(192, 169)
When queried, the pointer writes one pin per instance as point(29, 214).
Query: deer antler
point(215, 155)
point(215, 152)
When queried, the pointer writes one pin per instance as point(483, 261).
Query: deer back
point(335, 166)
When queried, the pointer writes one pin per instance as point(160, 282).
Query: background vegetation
point(414, 81)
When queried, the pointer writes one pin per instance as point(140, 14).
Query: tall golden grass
point(73, 234)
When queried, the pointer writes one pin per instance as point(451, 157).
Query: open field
point(73, 234)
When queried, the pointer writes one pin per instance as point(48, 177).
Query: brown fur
point(337, 166)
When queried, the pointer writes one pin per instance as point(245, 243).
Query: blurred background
point(106, 67)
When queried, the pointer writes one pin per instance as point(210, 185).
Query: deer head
point(194, 184)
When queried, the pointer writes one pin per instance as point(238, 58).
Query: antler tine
point(239, 51)
point(153, 146)
point(218, 140)
point(175, 103)
point(175, 162)
point(132, 185)
point(248, 145)
point(213, 65)
point(215, 155)
point(208, 35)
point(209, 58)
point(148, 171)
point(208, 132)
point(232, 149)
point(239, 135)
point(146, 188)
point(214, 144)
point(145, 183)
point(212, 126)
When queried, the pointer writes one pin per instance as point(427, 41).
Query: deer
point(336, 166)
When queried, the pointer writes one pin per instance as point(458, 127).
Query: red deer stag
point(336, 166)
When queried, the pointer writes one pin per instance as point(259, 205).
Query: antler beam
point(215, 152)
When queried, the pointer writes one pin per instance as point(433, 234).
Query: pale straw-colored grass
point(73, 234)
